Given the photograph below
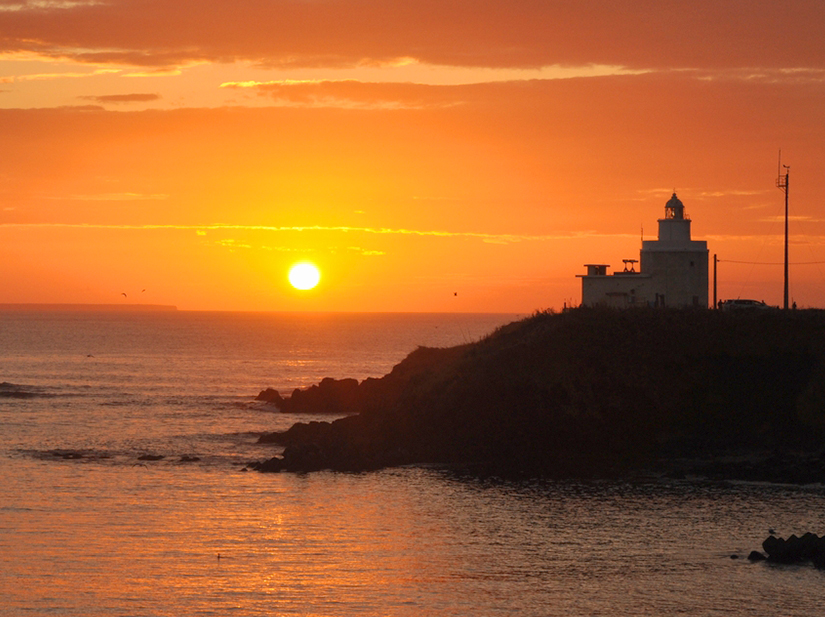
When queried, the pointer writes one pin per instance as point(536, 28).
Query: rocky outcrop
point(584, 393)
point(372, 396)
point(271, 396)
point(269, 466)
point(808, 547)
point(331, 397)
point(347, 444)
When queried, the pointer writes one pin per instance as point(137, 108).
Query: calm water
point(108, 534)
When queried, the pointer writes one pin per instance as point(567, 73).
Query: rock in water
point(151, 457)
point(272, 396)
point(808, 547)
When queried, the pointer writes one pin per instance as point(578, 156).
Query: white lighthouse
point(673, 270)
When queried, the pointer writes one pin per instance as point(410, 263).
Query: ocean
point(123, 437)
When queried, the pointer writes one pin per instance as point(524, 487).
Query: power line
point(771, 263)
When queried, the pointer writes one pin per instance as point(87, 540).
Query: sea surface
point(89, 527)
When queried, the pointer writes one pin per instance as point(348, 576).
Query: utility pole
point(782, 183)
point(715, 261)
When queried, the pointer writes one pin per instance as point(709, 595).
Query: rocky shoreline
point(585, 393)
point(794, 550)
point(799, 468)
point(304, 451)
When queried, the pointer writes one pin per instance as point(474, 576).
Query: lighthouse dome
point(674, 208)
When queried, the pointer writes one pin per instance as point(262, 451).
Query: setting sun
point(407, 155)
point(304, 276)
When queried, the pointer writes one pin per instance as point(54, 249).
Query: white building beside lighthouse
point(673, 270)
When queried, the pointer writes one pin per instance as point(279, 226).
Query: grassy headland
point(584, 393)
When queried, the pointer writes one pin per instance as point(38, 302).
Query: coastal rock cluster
point(74, 455)
point(585, 393)
point(808, 547)
point(331, 396)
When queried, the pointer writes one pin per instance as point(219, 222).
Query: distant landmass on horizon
point(88, 307)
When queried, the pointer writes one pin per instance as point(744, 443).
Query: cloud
point(232, 244)
point(201, 229)
point(117, 197)
point(366, 252)
point(352, 94)
point(54, 76)
point(123, 98)
point(533, 157)
point(789, 76)
point(33, 5)
point(704, 34)
point(80, 108)
point(155, 72)
point(731, 193)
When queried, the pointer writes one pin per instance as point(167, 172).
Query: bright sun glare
point(304, 275)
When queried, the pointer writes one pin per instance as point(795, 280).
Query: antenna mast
point(782, 183)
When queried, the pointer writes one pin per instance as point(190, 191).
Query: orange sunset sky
point(415, 150)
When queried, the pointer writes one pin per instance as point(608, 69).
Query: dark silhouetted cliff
point(586, 392)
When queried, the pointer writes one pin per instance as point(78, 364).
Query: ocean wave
point(68, 454)
point(135, 457)
point(205, 450)
point(13, 390)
